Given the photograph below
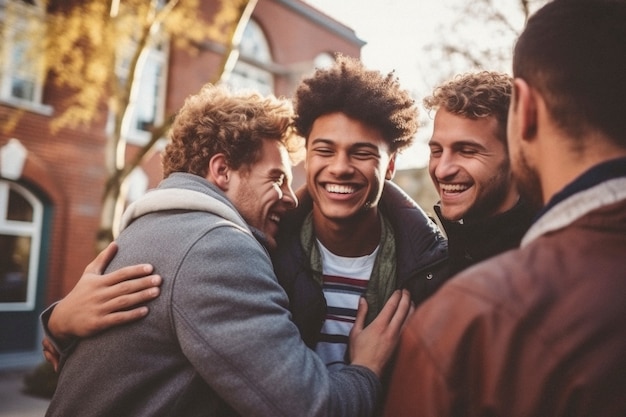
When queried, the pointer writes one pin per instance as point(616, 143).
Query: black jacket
point(471, 242)
point(421, 252)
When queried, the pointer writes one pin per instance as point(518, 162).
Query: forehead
point(274, 159)
point(342, 130)
point(451, 129)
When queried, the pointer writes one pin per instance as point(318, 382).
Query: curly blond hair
point(475, 95)
point(216, 120)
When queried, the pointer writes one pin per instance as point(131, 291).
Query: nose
point(444, 166)
point(288, 197)
point(340, 164)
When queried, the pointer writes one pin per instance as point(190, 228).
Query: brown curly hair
point(475, 95)
point(365, 95)
point(219, 121)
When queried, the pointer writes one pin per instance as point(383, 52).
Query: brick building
point(51, 183)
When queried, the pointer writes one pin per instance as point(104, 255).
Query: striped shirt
point(345, 280)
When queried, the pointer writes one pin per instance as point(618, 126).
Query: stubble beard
point(528, 182)
point(496, 192)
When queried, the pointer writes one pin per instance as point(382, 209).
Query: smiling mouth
point(274, 217)
point(340, 189)
point(453, 188)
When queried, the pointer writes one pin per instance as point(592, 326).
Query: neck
point(356, 236)
point(562, 167)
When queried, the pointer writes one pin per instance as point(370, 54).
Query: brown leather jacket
point(537, 331)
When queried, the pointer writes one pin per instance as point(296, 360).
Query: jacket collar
point(600, 186)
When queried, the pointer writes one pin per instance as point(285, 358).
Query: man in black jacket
point(479, 208)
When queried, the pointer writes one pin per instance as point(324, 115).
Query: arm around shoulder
point(233, 325)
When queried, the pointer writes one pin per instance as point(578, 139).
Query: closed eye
point(365, 155)
point(280, 180)
point(435, 152)
point(323, 151)
point(468, 151)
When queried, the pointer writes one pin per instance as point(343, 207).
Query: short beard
point(497, 191)
point(528, 182)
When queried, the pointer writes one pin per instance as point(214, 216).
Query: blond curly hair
point(216, 120)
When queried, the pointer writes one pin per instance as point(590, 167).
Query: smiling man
point(218, 341)
point(479, 208)
point(539, 330)
point(355, 233)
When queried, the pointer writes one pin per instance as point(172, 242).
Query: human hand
point(50, 353)
point(99, 302)
point(372, 346)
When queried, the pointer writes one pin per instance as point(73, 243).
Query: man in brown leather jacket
point(538, 331)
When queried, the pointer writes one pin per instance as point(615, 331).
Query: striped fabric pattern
point(345, 280)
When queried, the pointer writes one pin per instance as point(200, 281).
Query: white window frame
point(151, 59)
point(28, 229)
point(253, 45)
point(10, 70)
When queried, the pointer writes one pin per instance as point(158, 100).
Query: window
point(21, 81)
point(21, 216)
point(255, 48)
point(148, 98)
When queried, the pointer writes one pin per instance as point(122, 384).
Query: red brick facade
point(65, 169)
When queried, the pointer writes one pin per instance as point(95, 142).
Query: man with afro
point(355, 234)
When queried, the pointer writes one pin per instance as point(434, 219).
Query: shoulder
point(405, 215)
point(420, 244)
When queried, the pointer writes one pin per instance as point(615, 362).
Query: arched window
point(253, 49)
point(21, 215)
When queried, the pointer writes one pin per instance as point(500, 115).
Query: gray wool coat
point(218, 340)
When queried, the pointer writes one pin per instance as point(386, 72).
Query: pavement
point(14, 402)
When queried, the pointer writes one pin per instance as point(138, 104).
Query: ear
point(391, 167)
point(219, 172)
point(525, 105)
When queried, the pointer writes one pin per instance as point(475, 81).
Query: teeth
point(453, 187)
point(274, 218)
point(340, 189)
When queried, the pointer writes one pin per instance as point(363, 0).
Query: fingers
point(127, 273)
point(123, 317)
point(50, 353)
point(391, 306)
point(395, 312)
point(361, 313)
point(409, 314)
point(92, 305)
point(98, 265)
point(133, 293)
point(402, 311)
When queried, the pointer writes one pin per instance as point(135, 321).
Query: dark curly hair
point(475, 95)
point(365, 95)
point(218, 121)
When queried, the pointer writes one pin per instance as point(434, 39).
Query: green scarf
point(382, 282)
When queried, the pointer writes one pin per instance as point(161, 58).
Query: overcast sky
point(397, 33)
